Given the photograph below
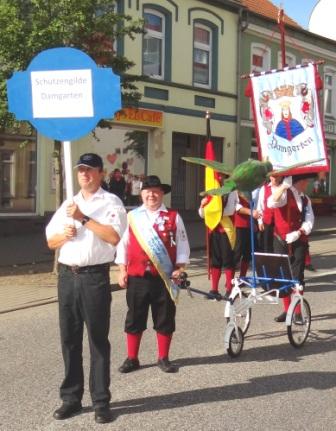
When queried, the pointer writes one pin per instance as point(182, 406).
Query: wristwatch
point(85, 219)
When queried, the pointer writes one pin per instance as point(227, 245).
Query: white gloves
point(287, 182)
point(293, 236)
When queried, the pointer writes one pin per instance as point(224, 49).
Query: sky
point(299, 10)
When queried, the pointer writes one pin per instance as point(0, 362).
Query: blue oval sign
point(64, 94)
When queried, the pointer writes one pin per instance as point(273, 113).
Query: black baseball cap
point(299, 177)
point(91, 160)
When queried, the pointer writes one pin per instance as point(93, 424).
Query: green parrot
point(245, 177)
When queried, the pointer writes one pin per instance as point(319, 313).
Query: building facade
point(189, 61)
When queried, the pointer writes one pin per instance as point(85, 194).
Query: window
point(254, 146)
point(32, 173)
point(290, 60)
point(17, 174)
point(260, 61)
point(7, 184)
point(154, 44)
point(202, 56)
point(260, 58)
point(329, 92)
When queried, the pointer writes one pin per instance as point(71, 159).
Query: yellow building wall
point(181, 96)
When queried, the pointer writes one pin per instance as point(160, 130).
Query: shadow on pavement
point(256, 387)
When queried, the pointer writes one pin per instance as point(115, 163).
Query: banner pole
point(68, 170)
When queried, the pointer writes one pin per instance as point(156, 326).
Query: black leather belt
point(82, 269)
point(147, 275)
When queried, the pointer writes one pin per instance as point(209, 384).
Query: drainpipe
point(242, 26)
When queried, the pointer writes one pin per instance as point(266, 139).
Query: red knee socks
point(163, 343)
point(215, 276)
point(133, 345)
point(286, 302)
point(229, 274)
point(243, 268)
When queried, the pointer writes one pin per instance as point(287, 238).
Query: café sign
point(141, 117)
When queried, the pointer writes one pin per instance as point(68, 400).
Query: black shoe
point(281, 317)
point(214, 295)
point(103, 415)
point(310, 268)
point(129, 365)
point(298, 319)
point(227, 295)
point(67, 410)
point(166, 366)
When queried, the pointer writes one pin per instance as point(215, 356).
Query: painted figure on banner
point(288, 127)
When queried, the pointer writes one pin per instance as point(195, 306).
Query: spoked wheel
point(298, 330)
point(235, 341)
point(243, 312)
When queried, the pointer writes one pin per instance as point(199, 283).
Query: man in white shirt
point(153, 250)
point(293, 222)
point(86, 231)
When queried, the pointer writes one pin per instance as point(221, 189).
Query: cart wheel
point(243, 313)
point(299, 327)
point(235, 344)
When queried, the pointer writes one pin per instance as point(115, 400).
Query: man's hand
point(287, 183)
point(122, 277)
point(176, 274)
point(255, 214)
point(70, 231)
point(73, 211)
point(261, 226)
point(293, 236)
point(205, 201)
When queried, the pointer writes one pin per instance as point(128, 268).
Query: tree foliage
point(28, 27)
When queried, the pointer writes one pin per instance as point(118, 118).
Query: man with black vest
point(86, 231)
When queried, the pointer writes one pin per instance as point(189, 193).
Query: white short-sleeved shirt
point(232, 205)
point(308, 223)
point(87, 248)
point(182, 243)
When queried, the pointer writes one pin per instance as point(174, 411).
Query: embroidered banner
point(287, 118)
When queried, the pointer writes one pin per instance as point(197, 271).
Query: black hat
point(299, 177)
point(91, 160)
point(154, 181)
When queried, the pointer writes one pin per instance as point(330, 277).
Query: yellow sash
point(229, 229)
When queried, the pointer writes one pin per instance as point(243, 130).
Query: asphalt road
point(270, 386)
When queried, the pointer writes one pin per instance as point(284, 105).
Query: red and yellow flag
point(213, 210)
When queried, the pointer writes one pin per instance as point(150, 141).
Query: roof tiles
point(267, 9)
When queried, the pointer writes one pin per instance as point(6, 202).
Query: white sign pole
point(68, 170)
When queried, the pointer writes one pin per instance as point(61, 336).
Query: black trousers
point(242, 250)
point(221, 253)
point(143, 292)
point(266, 238)
point(296, 252)
point(85, 298)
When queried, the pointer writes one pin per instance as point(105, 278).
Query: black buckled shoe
point(67, 410)
point(298, 319)
point(166, 366)
point(129, 365)
point(281, 317)
point(227, 295)
point(214, 295)
point(310, 268)
point(103, 415)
